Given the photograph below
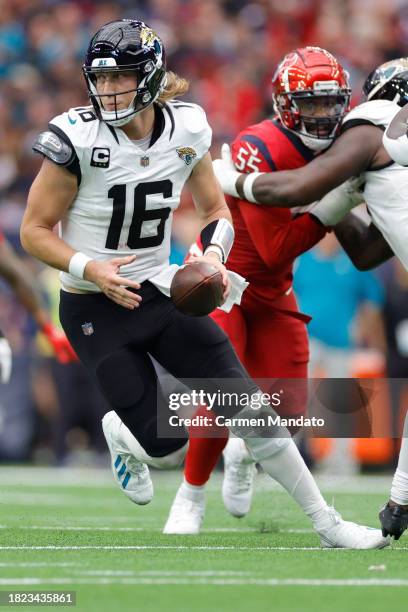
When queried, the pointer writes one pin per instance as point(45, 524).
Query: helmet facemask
point(314, 116)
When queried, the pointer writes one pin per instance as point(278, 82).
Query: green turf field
point(72, 529)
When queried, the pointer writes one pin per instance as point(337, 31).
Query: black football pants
point(114, 343)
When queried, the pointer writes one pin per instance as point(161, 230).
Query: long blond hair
point(175, 86)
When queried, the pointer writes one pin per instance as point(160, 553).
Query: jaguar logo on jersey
point(100, 157)
point(187, 154)
point(88, 329)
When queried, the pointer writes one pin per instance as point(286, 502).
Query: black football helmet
point(122, 46)
point(388, 82)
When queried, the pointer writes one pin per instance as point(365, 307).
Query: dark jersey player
point(311, 96)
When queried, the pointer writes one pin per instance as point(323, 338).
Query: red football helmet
point(311, 95)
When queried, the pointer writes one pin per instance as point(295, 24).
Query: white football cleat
point(131, 475)
point(239, 472)
point(345, 534)
point(186, 513)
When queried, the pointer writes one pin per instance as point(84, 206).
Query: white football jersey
point(127, 195)
point(386, 190)
point(395, 139)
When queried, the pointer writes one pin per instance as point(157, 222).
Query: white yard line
point(47, 498)
point(56, 477)
point(174, 547)
point(76, 528)
point(39, 564)
point(160, 573)
point(147, 529)
point(267, 582)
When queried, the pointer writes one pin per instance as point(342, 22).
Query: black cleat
point(394, 520)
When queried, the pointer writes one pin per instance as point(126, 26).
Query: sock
point(203, 453)
point(288, 468)
point(399, 487)
point(192, 492)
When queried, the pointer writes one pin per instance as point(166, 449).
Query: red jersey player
point(311, 96)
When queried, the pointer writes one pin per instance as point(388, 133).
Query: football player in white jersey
point(394, 515)
point(358, 151)
point(113, 175)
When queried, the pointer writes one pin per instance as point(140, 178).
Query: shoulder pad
point(376, 112)
point(80, 125)
point(55, 148)
point(395, 138)
point(250, 153)
point(192, 115)
point(196, 119)
point(191, 130)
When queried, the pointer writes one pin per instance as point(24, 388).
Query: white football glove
point(5, 360)
point(224, 170)
point(336, 204)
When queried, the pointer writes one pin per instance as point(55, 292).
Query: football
point(197, 289)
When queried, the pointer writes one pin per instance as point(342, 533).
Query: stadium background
point(228, 50)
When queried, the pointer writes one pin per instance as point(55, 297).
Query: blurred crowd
point(228, 49)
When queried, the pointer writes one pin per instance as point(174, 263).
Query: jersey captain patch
point(187, 154)
point(100, 157)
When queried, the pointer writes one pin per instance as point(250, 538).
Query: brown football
point(197, 289)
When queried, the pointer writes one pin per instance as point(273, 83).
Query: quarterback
point(112, 176)
point(362, 148)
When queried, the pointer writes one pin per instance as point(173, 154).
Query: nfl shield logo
point(88, 329)
point(144, 161)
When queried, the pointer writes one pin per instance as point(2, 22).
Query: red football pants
point(271, 340)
